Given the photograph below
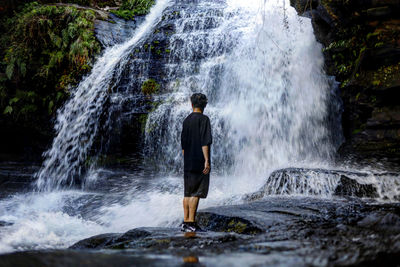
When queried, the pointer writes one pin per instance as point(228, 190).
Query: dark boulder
point(350, 187)
point(63, 258)
point(115, 30)
point(15, 177)
point(155, 238)
point(379, 221)
point(132, 234)
point(112, 240)
point(383, 56)
point(303, 5)
point(98, 241)
point(220, 223)
point(3, 223)
point(317, 182)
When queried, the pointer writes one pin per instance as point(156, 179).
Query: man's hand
point(207, 161)
point(206, 167)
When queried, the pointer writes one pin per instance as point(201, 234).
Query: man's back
point(195, 141)
point(196, 133)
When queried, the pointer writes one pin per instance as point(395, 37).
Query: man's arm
point(183, 141)
point(206, 158)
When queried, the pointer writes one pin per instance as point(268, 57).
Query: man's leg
point(186, 209)
point(193, 204)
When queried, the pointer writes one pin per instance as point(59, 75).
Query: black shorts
point(196, 184)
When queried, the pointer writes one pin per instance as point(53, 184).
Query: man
point(196, 140)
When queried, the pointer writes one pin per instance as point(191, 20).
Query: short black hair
point(199, 100)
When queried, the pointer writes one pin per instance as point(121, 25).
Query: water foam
point(40, 221)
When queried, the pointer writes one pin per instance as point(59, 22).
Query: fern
point(46, 49)
point(130, 8)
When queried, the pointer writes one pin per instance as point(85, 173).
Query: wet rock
point(304, 5)
point(377, 220)
point(15, 177)
point(320, 182)
point(323, 24)
point(220, 223)
point(385, 55)
point(113, 240)
point(350, 187)
point(301, 231)
point(378, 11)
point(277, 245)
point(62, 258)
point(3, 223)
point(154, 238)
point(341, 227)
point(115, 30)
point(132, 234)
point(98, 241)
point(125, 240)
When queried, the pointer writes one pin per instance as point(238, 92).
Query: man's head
point(198, 100)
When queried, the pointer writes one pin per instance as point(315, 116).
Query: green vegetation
point(142, 120)
point(105, 3)
point(131, 8)
point(45, 50)
point(91, 3)
point(78, 2)
point(150, 87)
point(356, 39)
point(236, 226)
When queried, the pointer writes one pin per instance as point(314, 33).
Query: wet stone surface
point(329, 183)
point(15, 177)
point(350, 187)
point(275, 231)
point(265, 230)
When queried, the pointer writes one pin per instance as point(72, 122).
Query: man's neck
point(197, 110)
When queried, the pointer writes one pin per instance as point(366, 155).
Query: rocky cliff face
point(362, 49)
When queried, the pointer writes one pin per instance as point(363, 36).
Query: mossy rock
point(150, 87)
point(220, 223)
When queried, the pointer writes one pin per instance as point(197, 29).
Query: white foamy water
point(48, 220)
point(40, 221)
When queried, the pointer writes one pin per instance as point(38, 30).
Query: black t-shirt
point(196, 132)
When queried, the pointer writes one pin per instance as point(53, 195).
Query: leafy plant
point(150, 87)
point(130, 8)
point(46, 49)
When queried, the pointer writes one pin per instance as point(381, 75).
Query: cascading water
point(268, 95)
point(261, 68)
point(78, 120)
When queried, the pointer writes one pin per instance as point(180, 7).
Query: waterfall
point(262, 70)
point(78, 120)
point(258, 63)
